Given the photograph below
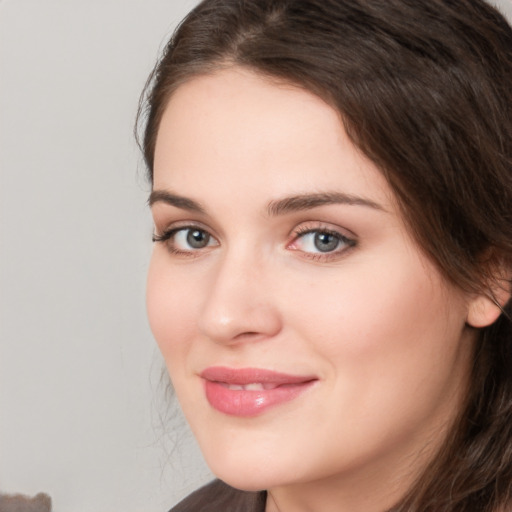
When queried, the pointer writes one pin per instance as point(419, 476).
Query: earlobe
point(484, 310)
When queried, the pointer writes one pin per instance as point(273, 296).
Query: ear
point(484, 309)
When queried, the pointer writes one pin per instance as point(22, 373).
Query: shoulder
point(218, 496)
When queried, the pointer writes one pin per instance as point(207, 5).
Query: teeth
point(255, 386)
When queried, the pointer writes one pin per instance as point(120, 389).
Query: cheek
point(383, 332)
point(394, 355)
point(170, 307)
point(372, 307)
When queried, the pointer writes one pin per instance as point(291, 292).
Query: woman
point(330, 284)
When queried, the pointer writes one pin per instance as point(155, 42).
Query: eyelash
point(346, 242)
point(167, 237)
point(299, 233)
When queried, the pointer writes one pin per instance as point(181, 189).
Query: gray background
point(82, 413)
point(79, 372)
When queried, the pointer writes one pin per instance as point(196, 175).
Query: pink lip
point(275, 388)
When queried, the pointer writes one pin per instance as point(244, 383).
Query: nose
point(240, 305)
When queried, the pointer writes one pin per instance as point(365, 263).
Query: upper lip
point(244, 376)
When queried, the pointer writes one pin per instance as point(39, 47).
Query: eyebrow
point(310, 201)
point(184, 203)
point(276, 207)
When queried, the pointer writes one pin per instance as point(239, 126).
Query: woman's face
point(307, 336)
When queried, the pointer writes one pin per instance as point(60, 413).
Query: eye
point(320, 242)
point(192, 239)
point(184, 240)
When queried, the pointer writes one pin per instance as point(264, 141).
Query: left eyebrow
point(310, 201)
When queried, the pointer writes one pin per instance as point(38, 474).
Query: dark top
point(220, 497)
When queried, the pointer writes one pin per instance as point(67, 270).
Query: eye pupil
point(326, 242)
point(197, 238)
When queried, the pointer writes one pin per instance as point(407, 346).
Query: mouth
point(249, 392)
point(254, 386)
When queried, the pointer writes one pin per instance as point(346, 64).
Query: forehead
point(235, 126)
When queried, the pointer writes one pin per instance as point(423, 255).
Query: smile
point(250, 391)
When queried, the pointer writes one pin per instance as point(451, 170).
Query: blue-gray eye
point(317, 241)
point(186, 239)
point(196, 238)
point(326, 242)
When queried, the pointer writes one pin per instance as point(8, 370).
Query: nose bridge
point(239, 304)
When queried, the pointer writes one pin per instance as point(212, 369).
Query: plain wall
point(79, 371)
point(80, 401)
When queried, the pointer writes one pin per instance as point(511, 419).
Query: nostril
point(229, 317)
point(248, 334)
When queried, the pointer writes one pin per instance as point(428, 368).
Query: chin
point(245, 474)
point(245, 484)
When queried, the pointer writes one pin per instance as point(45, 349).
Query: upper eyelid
point(167, 233)
point(342, 237)
point(184, 224)
point(300, 229)
point(320, 226)
point(307, 231)
point(167, 236)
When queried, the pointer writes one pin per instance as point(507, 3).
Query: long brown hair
point(424, 88)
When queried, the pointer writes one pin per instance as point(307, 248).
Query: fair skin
point(328, 285)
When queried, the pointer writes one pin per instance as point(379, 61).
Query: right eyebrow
point(184, 203)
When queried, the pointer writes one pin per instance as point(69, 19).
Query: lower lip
point(246, 403)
